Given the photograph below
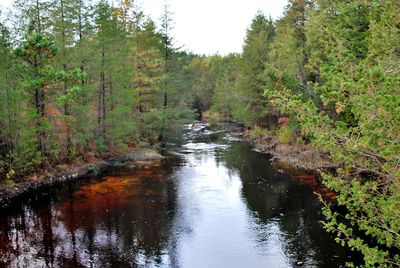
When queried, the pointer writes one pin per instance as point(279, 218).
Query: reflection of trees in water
point(126, 220)
point(127, 228)
point(283, 211)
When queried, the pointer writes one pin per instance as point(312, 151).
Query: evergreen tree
point(357, 121)
point(225, 98)
point(86, 81)
point(147, 75)
point(250, 81)
point(64, 26)
point(166, 28)
point(175, 108)
point(37, 54)
point(35, 14)
point(108, 34)
point(7, 102)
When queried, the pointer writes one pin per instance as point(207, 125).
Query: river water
point(213, 202)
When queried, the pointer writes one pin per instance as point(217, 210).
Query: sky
point(209, 26)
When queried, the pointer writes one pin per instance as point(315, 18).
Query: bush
point(213, 118)
point(10, 178)
point(284, 134)
point(259, 132)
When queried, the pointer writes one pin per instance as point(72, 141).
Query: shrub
point(284, 134)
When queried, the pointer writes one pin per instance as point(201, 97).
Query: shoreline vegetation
point(318, 87)
point(66, 173)
point(298, 155)
point(289, 157)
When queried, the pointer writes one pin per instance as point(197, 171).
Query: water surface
point(212, 203)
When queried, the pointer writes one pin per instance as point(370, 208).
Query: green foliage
point(225, 99)
point(259, 132)
point(101, 146)
point(284, 134)
point(10, 176)
point(90, 80)
point(354, 116)
point(239, 83)
point(251, 107)
point(38, 74)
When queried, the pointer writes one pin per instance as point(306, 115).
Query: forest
point(81, 80)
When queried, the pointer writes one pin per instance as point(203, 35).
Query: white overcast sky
point(209, 26)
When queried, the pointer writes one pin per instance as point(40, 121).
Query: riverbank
point(19, 187)
point(297, 155)
point(210, 191)
point(300, 161)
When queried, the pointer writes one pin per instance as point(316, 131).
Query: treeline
point(332, 68)
point(81, 79)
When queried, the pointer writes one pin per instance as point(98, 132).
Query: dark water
point(215, 203)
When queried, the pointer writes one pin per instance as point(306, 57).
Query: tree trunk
point(101, 111)
point(40, 111)
point(66, 104)
point(39, 29)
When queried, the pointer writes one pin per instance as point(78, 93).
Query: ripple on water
point(204, 146)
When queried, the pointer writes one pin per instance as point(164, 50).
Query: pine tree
point(64, 31)
point(166, 28)
point(7, 105)
point(38, 53)
point(250, 81)
point(81, 123)
point(106, 23)
point(224, 97)
point(35, 14)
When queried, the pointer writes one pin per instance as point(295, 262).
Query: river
point(213, 202)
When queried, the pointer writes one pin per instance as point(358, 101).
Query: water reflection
point(120, 220)
point(284, 210)
point(216, 204)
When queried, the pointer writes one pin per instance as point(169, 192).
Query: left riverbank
point(64, 173)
